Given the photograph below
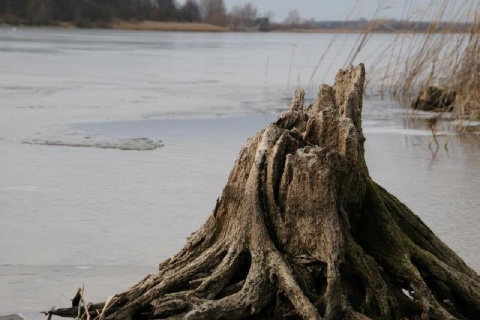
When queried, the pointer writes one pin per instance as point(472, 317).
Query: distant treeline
point(99, 13)
point(389, 25)
point(85, 13)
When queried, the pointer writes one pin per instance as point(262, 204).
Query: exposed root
point(217, 281)
point(454, 290)
point(254, 295)
point(166, 281)
point(368, 290)
point(289, 286)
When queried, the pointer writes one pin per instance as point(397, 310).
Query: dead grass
point(412, 61)
point(447, 60)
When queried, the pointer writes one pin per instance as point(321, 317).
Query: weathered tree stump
point(302, 231)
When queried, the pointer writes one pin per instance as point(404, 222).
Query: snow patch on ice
point(138, 144)
point(408, 294)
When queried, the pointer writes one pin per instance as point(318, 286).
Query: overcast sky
point(340, 9)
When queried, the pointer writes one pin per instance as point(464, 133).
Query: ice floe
point(138, 144)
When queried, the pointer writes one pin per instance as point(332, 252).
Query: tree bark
point(302, 231)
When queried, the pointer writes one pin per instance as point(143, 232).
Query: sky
point(324, 10)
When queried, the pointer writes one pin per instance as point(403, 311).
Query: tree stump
point(302, 231)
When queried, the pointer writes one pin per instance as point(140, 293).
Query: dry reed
point(440, 57)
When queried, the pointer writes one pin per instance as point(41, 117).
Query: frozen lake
point(75, 208)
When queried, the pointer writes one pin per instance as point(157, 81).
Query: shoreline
point(201, 27)
point(128, 25)
point(166, 26)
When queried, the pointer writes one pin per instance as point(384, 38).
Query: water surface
point(106, 217)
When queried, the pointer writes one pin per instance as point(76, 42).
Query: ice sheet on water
point(138, 144)
point(12, 317)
